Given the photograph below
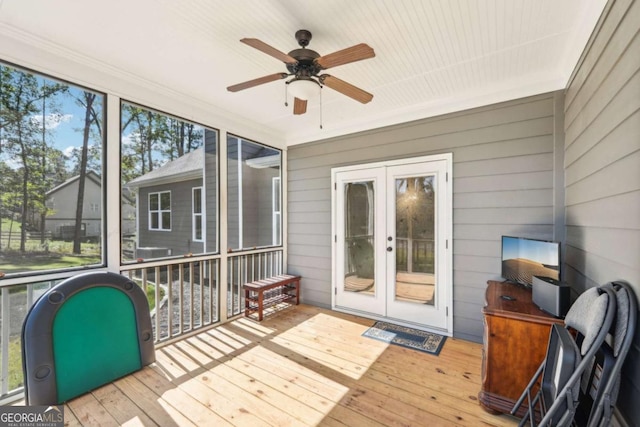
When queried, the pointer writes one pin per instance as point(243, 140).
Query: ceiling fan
point(304, 66)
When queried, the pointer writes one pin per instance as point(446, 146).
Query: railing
point(183, 295)
point(415, 255)
point(15, 302)
point(247, 267)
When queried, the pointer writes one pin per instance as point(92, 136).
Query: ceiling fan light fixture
point(304, 89)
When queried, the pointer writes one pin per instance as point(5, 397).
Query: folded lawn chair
point(557, 380)
point(600, 384)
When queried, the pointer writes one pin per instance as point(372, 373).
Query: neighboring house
point(62, 201)
point(165, 198)
point(171, 206)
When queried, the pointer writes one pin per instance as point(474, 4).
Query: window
point(197, 214)
point(51, 148)
point(251, 196)
point(160, 211)
point(169, 175)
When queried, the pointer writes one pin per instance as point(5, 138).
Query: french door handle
point(389, 249)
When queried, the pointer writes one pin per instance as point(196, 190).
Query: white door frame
point(447, 286)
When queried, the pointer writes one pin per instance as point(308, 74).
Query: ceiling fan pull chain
point(286, 86)
point(320, 107)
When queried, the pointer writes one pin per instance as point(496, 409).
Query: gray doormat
point(427, 342)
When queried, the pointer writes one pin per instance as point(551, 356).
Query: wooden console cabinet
point(516, 334)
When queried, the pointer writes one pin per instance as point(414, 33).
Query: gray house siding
point(602, 169)
point(503, 184)
point(180, 239)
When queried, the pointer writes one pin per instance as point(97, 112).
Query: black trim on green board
point(38, 359)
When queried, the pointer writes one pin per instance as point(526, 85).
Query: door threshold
point(371, 316)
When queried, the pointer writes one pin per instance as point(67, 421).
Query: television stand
point(516, 333)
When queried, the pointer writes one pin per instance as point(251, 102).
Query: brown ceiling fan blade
point(299, 106)
point(269, 50)
point(256, 82)
point(351, 54)
point(346, 88)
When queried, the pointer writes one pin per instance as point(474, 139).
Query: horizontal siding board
point(310, 239)
point(309, 217)
point(618, 245)
point(308, 206)
point(618, 178)
point(319, 261)
point(599, 269)
point(310, 184)
point(616, 112)
point(474, 247)
point(621, 142)
point(471, 279)
point(506, 182)
point(317, 229)
point(311, 195)
point(470, 294)
point(520, 164)
point(523, 216)
point(513, 147)
point(313, 277)
point(491, 231)
point(604, 83)
point(478, 264)
point(619, 211)
point(504, 199)
point(606, 49)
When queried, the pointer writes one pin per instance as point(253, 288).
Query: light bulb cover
point(304, 89)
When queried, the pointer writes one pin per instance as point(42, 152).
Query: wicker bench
point(264, 293)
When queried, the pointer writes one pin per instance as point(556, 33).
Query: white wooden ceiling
point(432, 56)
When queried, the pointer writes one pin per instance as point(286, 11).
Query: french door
point(392, 234)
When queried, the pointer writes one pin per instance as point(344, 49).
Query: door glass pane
point(359, 217)
point(415, 232)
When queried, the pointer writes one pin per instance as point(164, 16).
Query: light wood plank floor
point(303, 366)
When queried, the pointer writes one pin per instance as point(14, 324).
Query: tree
point(20, 98)
point(91, 117)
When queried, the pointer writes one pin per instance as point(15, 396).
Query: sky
point(65, 123)
point(535, 250)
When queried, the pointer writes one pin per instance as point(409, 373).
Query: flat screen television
point(524, 258)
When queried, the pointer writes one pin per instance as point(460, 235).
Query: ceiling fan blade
point(269, 50)
point(256, 82)
point(351, 54)
point(346, 88)
point(299, 106)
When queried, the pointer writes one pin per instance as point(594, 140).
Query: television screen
point(524, 258)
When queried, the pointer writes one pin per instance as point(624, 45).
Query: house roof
point(186, 167)
point(431, 57)
point(90, 175)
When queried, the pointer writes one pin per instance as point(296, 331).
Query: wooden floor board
point(304, 366)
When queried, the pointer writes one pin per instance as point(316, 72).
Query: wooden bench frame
point(282, 285)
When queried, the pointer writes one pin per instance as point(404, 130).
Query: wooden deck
point(303, 366)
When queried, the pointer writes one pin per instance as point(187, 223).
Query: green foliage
point(151, 296)
point(15, 379)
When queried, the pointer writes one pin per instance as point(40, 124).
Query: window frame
point(159, 211)
point(195, 215)
point(62, 272)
